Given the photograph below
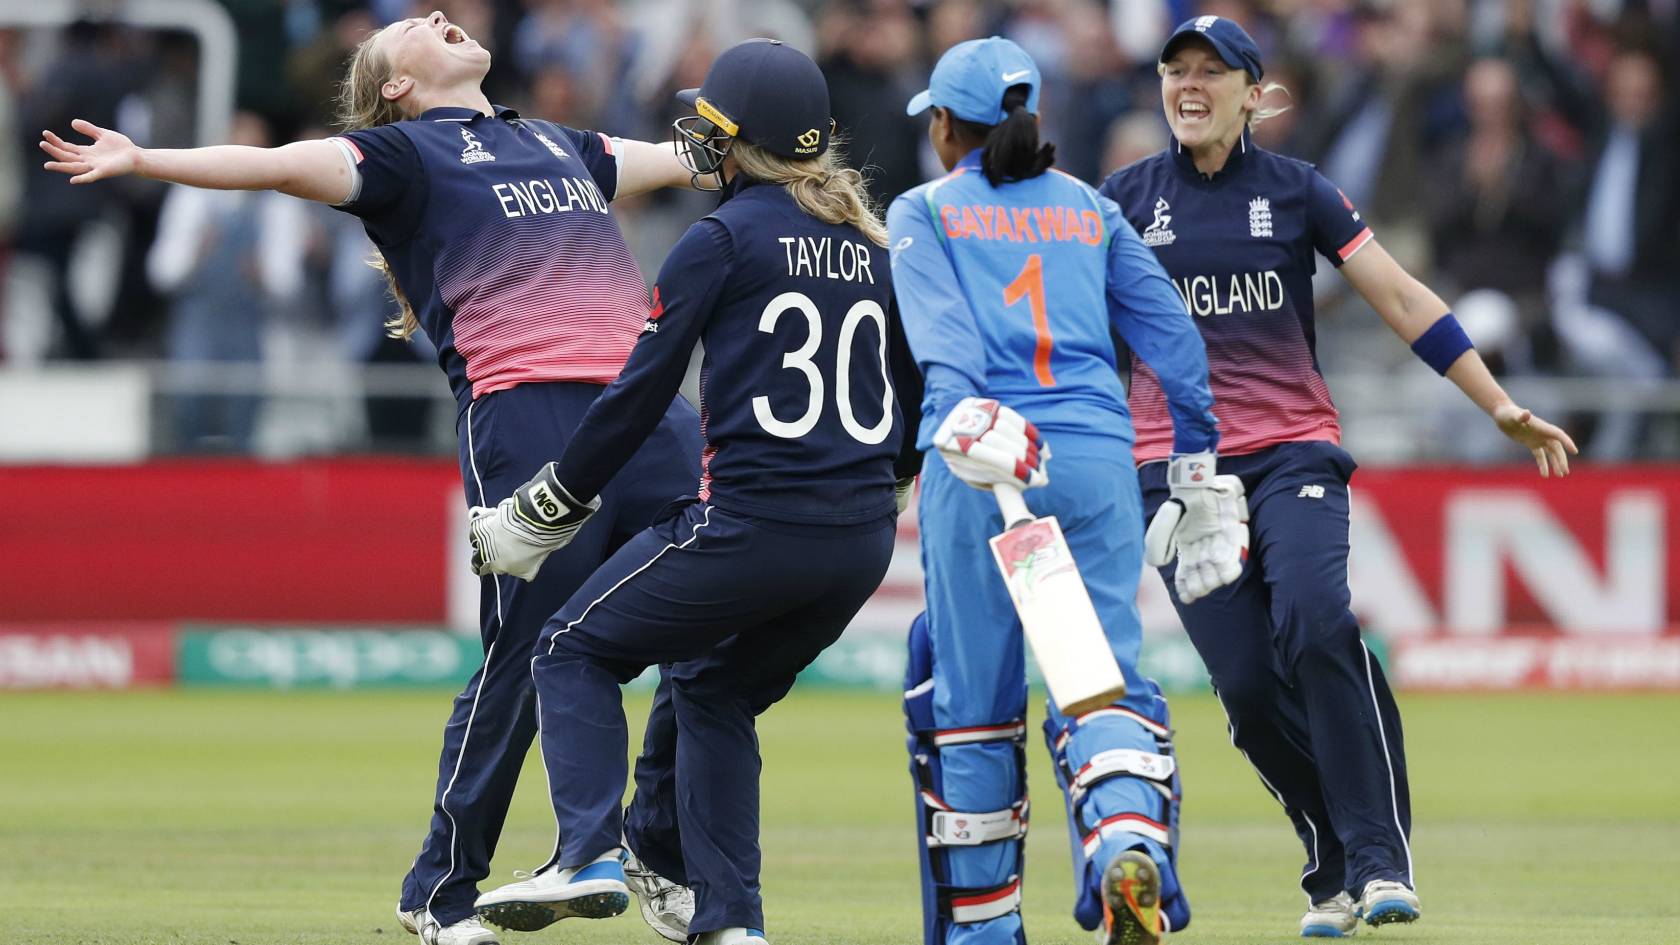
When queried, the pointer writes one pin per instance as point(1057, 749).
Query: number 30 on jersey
point(801, 361)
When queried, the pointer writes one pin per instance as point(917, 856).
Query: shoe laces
point(1340, 902)
point(663, 895)
point(674, 898)
point(431, 930)
point(667, 896)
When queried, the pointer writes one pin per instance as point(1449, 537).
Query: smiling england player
point(1236, 228)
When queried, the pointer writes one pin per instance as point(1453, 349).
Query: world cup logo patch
point(474, 152)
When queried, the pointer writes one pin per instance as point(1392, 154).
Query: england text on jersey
point(524, 198)
point(1243, 293)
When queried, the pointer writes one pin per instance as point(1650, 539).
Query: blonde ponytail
point(822, 186)
point(362, 104)
point(1263, 113)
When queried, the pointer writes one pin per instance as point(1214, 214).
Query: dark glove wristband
point(544, 505)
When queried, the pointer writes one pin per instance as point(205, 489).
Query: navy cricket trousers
point(1307, 702)
point(505, 437)
point(739, 605)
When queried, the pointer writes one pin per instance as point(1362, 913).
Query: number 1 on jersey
point(1030, 283)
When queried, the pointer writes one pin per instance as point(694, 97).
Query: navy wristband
point(1442, 344)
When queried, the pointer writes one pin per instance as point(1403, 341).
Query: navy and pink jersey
point(1239, 248)
point(497, 229)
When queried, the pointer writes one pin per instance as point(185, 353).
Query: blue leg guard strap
point(971, 860)
point(1120, 780)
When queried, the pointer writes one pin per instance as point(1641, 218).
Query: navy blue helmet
point(762, 91)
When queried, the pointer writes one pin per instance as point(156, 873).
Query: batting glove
point(522, 530)
point(1204, 522)
point(986, 443)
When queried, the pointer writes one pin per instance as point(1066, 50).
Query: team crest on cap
point(1205, 23)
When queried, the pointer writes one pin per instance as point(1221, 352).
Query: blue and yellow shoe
point(1131, 895)
point(1336, 917)
point(594, 891)
point(1387, 900)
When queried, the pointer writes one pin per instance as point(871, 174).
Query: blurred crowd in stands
point(1523, 156)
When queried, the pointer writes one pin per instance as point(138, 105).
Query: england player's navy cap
point(970, 79)
point(1227, 38)
point(768, 93)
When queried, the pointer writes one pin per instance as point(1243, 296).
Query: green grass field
point(228, 817)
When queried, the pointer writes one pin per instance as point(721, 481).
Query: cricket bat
point(1056, 613)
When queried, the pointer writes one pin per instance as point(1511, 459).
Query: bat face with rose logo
point(1056, 614)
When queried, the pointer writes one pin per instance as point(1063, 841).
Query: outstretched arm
point(313, 170)
point(1411, 310)
point(649, 166)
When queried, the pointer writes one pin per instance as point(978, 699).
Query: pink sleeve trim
point(1355, 245)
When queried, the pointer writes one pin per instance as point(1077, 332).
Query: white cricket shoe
point(1388, 900)
point(594, 891)
point(1332, 918)
point(732, 937)
point(410, 921)
point(666, 907)
point(468, 931)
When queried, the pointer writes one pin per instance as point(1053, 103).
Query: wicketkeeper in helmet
point(806, 460)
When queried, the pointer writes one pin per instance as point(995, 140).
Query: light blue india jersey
point(1015, 292)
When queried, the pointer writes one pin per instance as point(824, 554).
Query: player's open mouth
point(453, 34)
point(1193, 111)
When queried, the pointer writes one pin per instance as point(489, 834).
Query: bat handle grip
point(1010, 503)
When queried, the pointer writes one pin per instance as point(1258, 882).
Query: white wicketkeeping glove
point(1205, 522)
point(522, 530)
point(986, 443)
